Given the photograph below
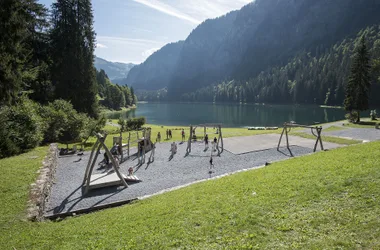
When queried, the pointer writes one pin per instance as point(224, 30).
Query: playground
point(84, 184)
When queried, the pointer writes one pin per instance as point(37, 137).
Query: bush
point(64, 123)
point(373, 115)
point(21, 128)
point(352, 117)
point(135, 123)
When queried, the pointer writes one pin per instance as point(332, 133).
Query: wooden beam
point(115, 164)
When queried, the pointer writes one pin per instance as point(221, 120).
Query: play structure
point(315, 130)
point(113, 177)
point(193, 135)
point(141, 138)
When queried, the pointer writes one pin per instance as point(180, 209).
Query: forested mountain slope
point(310, 77)
point(262, 37)
point(156, 71)
point(265, 34)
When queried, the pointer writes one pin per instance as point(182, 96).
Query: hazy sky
point(131, 30)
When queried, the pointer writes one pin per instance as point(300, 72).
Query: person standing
point(206, 141)
point(215, 142)
point(211, 166)
point(167, 134)
point(183, 135)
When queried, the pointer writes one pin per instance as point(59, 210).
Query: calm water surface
point(231, 115)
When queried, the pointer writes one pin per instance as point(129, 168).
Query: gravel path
point(363, 134)
point(163, 173)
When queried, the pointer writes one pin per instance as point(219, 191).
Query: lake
point(231, 115)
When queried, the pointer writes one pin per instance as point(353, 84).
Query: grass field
point(176, 133)
point(332, 139)
point(227, 132)
point(328, 200)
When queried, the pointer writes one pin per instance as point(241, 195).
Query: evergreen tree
point(19, 22)
point(133, 95)
point(73, 44)
point(358, 87)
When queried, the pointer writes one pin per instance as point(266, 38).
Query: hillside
point(328, 200)
point(155, 73)
point(114, 70)
point(310, 77)
point(262, 35)
point(265, 34)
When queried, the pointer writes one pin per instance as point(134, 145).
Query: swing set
point(192, 136)
point(140, 137)
point(315, 130)
point(112, 177)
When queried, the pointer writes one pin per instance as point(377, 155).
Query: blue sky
point(131, 30)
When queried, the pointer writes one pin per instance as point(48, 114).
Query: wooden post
point(151, 157)
point(114, 164)
point(129, 141)
point(144, 149)
point(287, 138)
point(221, 137)
point(320, 137)
point(89, 162)
point(121, 147)
point(94, 160)
point(188, 149)
point(316, 142)
point(279, 142)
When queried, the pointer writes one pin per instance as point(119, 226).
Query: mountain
point(265, 34)
point(156, 72)
point(114, 70)
point(242, 44)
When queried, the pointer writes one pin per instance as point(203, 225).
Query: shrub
point(135, 123)
point(373, 115)
point(64, 123)
point(352, 117)
point(21, 128)
point(122, 123)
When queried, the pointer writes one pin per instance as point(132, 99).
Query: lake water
point(231, 115)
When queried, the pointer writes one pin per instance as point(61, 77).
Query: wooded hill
point(243, 50)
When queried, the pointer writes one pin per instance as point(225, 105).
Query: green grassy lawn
point(333, 128)
point(227, 132)
point(328, 200)
point(332, 139)
point(176, 133)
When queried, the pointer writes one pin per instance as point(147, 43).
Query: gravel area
point(164, 173)
point(364, 134)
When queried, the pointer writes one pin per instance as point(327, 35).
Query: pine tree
point(19, 21)
point(358, 87)
point(133, 95)
point(73, 45)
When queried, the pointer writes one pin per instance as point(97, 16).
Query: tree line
point(49, 88)
point(114, 96)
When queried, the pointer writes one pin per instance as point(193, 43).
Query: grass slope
point(328, 200)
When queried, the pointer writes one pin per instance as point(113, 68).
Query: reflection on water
point(231, 115)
